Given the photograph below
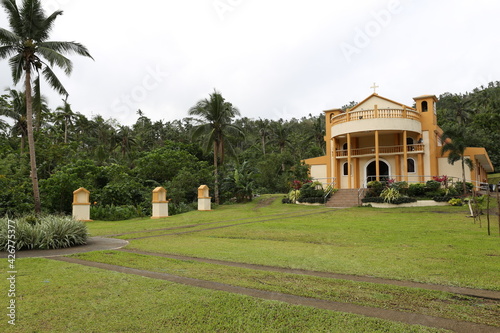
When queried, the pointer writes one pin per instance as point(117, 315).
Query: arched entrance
point(371, 171)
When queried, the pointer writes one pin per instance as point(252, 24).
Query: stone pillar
point(204, 201)
point(160, 203)
point(81, 205)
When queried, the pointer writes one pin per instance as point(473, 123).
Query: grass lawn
point(61, 297)
point(433, 245)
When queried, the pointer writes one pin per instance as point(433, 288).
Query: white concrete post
point(81, 205)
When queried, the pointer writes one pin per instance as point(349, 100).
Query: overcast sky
point(271, 59)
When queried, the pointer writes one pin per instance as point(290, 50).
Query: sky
point(271, 59)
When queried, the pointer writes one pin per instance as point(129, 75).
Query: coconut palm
point(31, 55)
point(216, 115)
point(65, 114)
point(455, 140)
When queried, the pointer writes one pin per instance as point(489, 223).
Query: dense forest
point(121, 164)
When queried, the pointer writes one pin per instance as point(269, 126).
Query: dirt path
point(228, 225)
point(280, 215)
point(408, 318)
point(487, 294)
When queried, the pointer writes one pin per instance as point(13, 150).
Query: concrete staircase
point(344, 198)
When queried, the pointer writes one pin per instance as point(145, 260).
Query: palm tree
point(216, 115)
point(455, 140)
point(17, 112)
point(66, 115)
point(281, 137)
point(30, 52)
point(264, 133)
point(125, 139)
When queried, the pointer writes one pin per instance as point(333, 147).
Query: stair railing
point(330, 188)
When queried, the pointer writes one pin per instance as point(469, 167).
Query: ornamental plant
point(456, 202)
point(48, 232)
point(390, 195)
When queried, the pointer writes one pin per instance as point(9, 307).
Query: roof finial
point(374, 87)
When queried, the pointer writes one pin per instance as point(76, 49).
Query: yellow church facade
point(380, 139)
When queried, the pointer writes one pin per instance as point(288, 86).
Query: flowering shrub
point(442, 179)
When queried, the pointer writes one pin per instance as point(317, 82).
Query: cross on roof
point(374, 87)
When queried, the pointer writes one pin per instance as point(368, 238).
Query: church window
point(425, 106)
point(411, 165)
point(345, 170)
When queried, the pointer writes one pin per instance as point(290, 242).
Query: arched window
point(345, 169)
point(344, 146)
point(411, 165)
point(425, 107)
point(409, 143)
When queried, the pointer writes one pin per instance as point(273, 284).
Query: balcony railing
point(375, 114)
point(383, 150)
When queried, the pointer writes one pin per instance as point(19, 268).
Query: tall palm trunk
point(31, 142)
point(216, 172)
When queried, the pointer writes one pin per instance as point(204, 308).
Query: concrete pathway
point(93, 244)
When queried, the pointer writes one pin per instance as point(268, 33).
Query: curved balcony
point(376, 119)
point(383, 150)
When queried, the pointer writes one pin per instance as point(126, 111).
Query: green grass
point(432, 245)
point(435, 245)
point(61, 297)
point(433, 303)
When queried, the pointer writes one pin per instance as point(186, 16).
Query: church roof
point(379, 97)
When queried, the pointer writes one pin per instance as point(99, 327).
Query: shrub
point(375, 188)
point(114, 213)
point(401, 187)
point(456, 202)
point(49, 232)
point(398, 201)
point(416, 190)
point(460, 189)
point(293, 195)
point(180, 208)
point(432, 185)
point(442, 198)
point(309, 191)
point(390, 194)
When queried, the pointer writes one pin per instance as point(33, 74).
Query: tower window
point(425, 106)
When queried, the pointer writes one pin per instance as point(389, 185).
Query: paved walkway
point(93, 244)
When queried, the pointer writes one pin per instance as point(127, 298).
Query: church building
point(380, 139)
